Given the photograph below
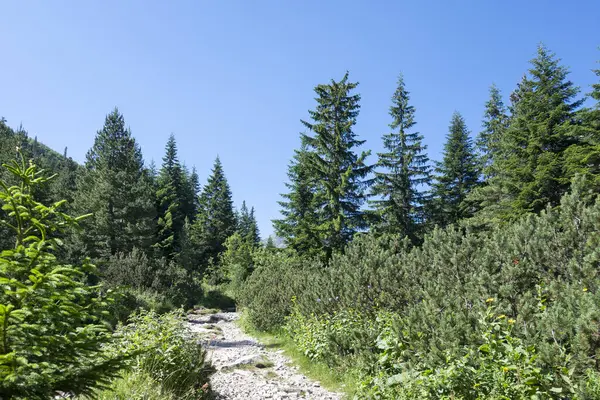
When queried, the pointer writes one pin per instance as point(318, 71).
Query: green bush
point(267, 293)
point(167, 352)
point(52, 334)
point(498, 366)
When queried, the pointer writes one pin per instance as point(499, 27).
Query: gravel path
point(246, 369)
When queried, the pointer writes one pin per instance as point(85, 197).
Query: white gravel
point(246, 369)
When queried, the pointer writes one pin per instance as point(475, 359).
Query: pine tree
point(495, 123)
point(115, 188)
point(532, 149)
point(456, 176)
point(171, 195)
point(216, 219)
point(333, 166)
point(298, 224)
point(403, 168)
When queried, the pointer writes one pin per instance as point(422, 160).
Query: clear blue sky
point(234, 78)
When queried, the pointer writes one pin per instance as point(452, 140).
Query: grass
point(341, 381)
point(133, 386)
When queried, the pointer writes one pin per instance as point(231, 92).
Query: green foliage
point(52, 333)
point(456, 176)
point(172, 197)
point(334, 169)
point(299, 210)
point(498, 366)
point(530, 161)
point(267, 293)
point(400, 208)
point(166, 352)
point(236, 261)
point(116, 188)
point(216, 220)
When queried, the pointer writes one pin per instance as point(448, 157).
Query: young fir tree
point(216, 219)
point(247, 226)
point(299, 217)
point(171, 196)
point(532, 150)
point(115, 188)
point(488, 198)
point(333, 164)
point(495, 123)
point(53, 337)
point(456, 176)
point(404, 167)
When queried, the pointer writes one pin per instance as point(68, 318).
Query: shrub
point(52, 332)
point(167, 352)
point(267, 293)
point(500, 366)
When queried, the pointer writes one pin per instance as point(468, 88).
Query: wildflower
point(501, 316)
point(585, 289)
point(318, 300)
point(490, 300)
point(516, 261)
point(505, 369)
point(511, 321)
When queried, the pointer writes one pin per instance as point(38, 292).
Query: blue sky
point(234, 78)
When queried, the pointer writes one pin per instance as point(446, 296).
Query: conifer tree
point(334, 166)
point(247, 226)
point(495, 123)
point(171, 196)
point(299, 218)
point(115, 188)
point(456, 176)
point(583, 157)
point(216, 219)
point(403, 168)
point(532, 149)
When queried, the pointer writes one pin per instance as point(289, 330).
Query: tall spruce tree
point(456, 176)
point(403, 168)
point(298, 225)
point(334, 166)
point(171, 195)
point(115, 188)
point(543, 125)
point(216, 219)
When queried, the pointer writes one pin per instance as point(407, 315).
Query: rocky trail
point(245, 369)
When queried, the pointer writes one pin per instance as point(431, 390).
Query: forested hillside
point(474, 276)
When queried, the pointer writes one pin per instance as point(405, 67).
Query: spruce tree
point(495, 123)
point(488, 199)
point(171, 196)
point(247, 225)
point(542, 127)
point(115, 188)
point(298, 225)
point(403, 168)
point(456, 176)
point(583, 157)
point(333, 165)
point(216, 219)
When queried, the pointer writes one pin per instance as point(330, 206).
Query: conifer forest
point(473, 276)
